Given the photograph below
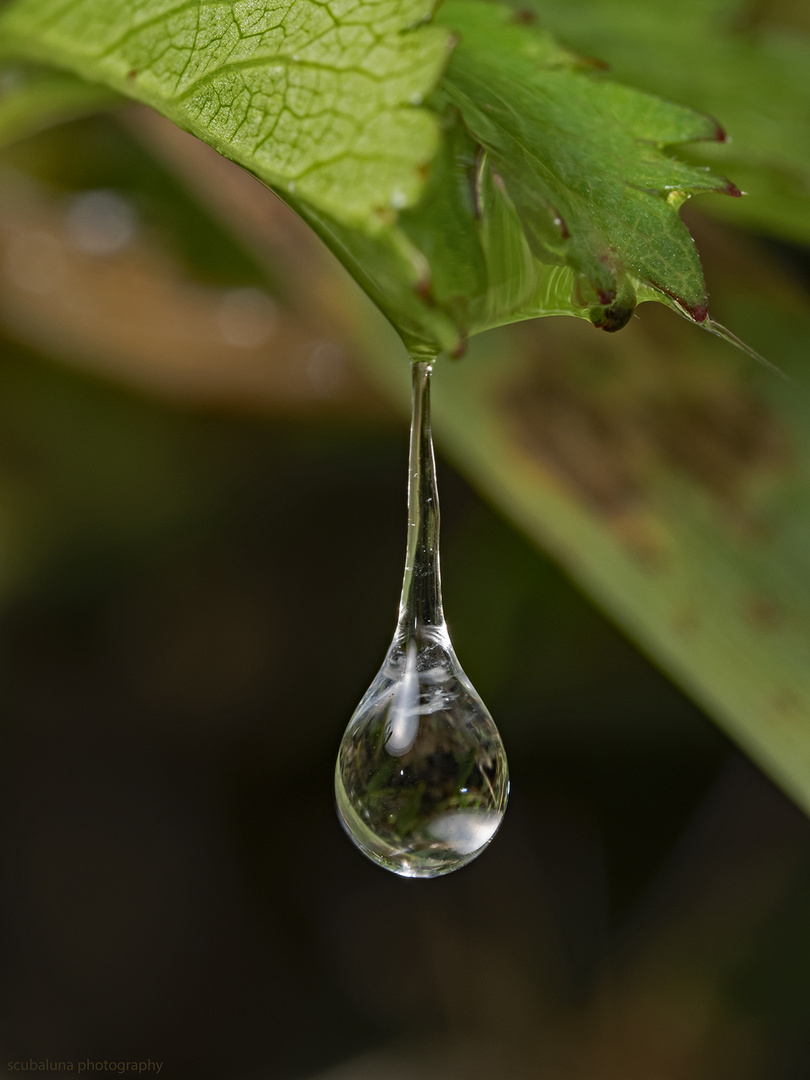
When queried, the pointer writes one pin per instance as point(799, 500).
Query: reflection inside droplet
point(402, 722)
point(467, 831)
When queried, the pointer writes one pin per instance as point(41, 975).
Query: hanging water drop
point(421, 780)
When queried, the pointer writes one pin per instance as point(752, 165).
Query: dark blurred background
point(202, 531)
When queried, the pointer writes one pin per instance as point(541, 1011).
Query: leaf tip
point(720, 331)
point(719, 134)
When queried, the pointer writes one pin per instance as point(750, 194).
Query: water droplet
point(421, 779)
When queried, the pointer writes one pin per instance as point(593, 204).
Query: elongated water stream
point(421, 780)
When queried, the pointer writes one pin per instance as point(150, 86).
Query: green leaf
point(581, 161)
point(745, 64)
point(514, 182)
point(303, 94)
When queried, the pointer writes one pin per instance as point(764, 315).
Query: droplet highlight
point(421, 780)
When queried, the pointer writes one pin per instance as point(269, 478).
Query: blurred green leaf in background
point(202, 463)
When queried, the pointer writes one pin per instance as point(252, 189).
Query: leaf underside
point(469, 171)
